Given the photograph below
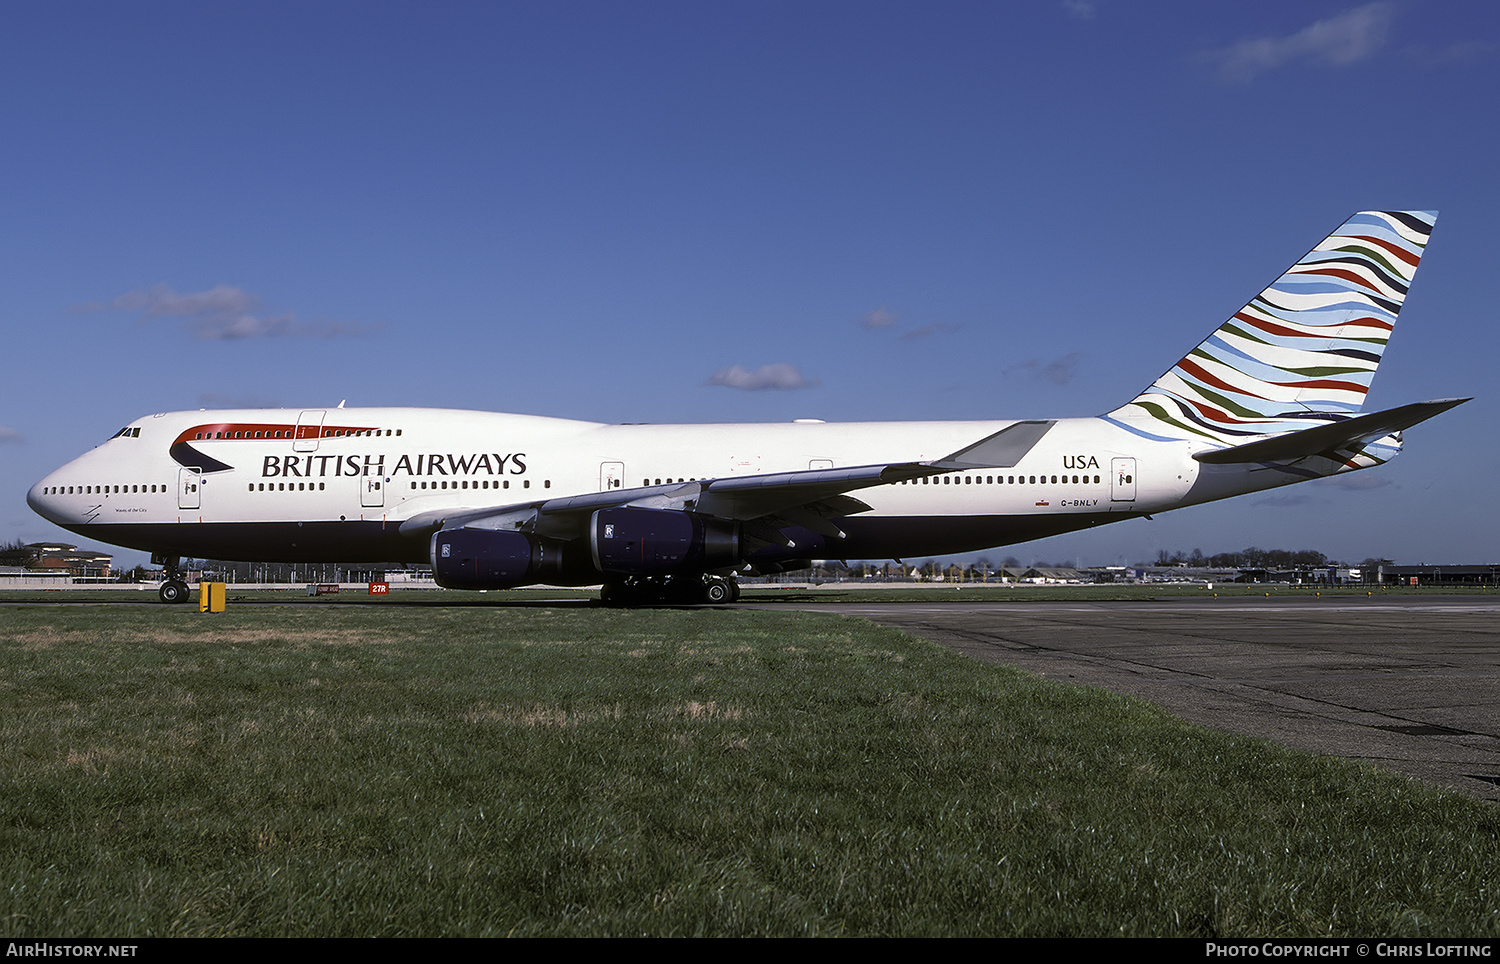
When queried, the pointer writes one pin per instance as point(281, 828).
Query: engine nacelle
point(621, 542)
point(648, 542)
point(483, 558)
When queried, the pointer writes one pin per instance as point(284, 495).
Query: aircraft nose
point(42, 502)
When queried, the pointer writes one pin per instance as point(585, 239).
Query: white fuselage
point(241, 484)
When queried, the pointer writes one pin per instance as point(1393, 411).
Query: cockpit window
point(127, 432)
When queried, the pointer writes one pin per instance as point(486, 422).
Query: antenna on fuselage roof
point(342, 401)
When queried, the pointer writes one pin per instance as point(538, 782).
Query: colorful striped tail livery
point(1304, 349)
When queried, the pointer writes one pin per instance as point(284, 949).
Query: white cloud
point(936, 328)
point(778, 375)
point(880, 319)
point(228, 327)
point(1080, 9)
point(1336, 41)
point(224, 313)
point(162, 302)
point(1462, 53)
point(1285, 500)
point(1359, 481)
point(1059, 371)
point(8, 434)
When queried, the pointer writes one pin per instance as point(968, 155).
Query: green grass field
point(420, 770)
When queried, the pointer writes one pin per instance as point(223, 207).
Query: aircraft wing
point(1325, 438)
point(808, 498)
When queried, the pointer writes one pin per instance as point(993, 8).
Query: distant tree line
point(14, 553)
point(1256, 558)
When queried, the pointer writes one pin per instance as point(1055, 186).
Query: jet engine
point(484, 558)
point(631, 541)
point(621, 542)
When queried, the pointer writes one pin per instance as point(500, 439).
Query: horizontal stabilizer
point(1334, 435)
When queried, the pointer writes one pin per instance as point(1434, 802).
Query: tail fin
point(1305, 347)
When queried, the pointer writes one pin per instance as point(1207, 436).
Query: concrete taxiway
point(1412, 685)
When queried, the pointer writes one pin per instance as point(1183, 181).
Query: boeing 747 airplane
point(651, 512)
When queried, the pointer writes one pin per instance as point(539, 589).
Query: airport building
point(58, 557)
point(1424, 575)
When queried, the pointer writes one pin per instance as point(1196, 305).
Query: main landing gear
point(174, 589)
point(669, 590)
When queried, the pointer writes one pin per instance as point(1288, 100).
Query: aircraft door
point(611, 475)
point(309, 428)
point(188, 483)
point(371, 491)
point(1122, 475)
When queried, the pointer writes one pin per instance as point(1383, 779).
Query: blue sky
point(658, 212)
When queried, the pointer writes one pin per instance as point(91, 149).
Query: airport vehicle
point(1272, 397)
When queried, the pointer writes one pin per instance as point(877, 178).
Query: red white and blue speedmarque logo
point(185, 454)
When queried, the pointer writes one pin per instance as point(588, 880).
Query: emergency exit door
point(309, 430)
point(611, 475)
point(1122, 486)
point(189, 481)
point(372, 491)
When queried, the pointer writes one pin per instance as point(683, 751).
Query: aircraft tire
point(618, 595)
point(173, 591)
point(718, 591)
